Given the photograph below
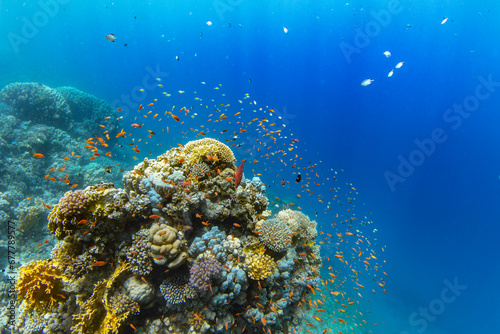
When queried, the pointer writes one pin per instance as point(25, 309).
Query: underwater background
point(417, 152)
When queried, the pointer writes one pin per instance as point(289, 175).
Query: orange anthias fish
point(98, 264)
point(38, 155)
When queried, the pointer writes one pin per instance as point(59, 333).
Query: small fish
point(400, 64)
point(154, 217)
point(98, 264)
point(444, 20)
point(209, 23)
point(387, 54)
point(38, 155)
point(367, 82)
point(110, 37)
point(135, 125)
point(285, 30)
point(390, 73)
point(175, 117)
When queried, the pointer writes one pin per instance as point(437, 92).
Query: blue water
point(439, 224)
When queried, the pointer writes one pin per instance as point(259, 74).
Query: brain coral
point(203, 271)
point(275, 235)
point(260, 266)
point(39, 285)
point(196, 150)
point(38, 103)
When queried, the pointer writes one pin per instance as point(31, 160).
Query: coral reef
point(39, 119)
point(219, 259)
point(37, 103)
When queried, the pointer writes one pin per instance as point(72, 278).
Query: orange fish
point(38, 155)
point(74, 186)
point(135, 125)
point(154, 217)
point(175, 117)
point(98, 264)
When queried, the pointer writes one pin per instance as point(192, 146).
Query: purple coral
point(203, 271)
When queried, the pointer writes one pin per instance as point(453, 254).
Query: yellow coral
point(97, 314)
point(196, 150)
point(197, 320)
point(260, 266)
point(39, 285)
point(92, 311)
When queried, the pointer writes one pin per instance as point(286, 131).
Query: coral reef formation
point(37, 119)
point(181, 226)
point(37, 103)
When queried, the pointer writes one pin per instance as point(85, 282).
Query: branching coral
point(39, 285)
point(260, 266)
point(176, 289)
point(203, 271)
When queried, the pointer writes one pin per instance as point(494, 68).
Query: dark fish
point(299, 178)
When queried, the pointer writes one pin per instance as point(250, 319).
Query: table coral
point(39, 285)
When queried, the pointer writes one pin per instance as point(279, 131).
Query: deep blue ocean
point(420, 147)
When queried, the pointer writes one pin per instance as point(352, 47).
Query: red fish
point(238, 175)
